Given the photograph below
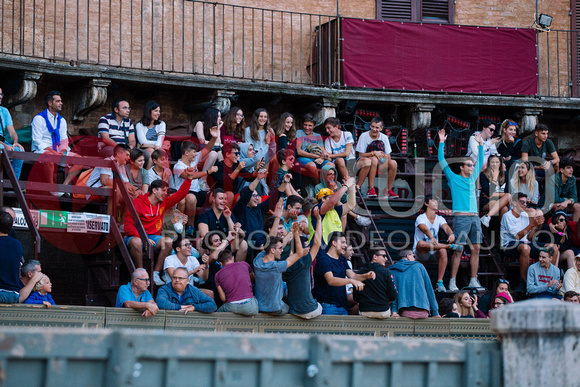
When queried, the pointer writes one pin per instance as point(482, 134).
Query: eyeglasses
point(255, 195)
point(186, 245)
point(512, 123)
point(498, 303)
point(179, 278)
point(504, 281)
point(470, 165)
point(523, 202)
point(144, 279)
point(236, 153)
point(561, 220)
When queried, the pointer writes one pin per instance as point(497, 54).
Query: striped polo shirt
point(118, 132)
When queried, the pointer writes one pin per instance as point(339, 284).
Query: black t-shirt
point(297, 278)
point(213, 223)
point(223, 181)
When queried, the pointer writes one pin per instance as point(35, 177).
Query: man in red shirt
point(151, 209)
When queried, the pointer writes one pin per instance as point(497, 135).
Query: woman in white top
point(524, 181)
point(150, 130)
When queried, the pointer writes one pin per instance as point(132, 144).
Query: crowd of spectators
point(251, 218)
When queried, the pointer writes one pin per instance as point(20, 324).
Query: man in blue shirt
point(466, 222)
point(135, 294)
point(7, 129)
point(179, 295)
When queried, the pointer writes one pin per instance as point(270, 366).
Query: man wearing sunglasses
point(489, 143)
point(466, 222)
point(135, 294)
point(517, 231)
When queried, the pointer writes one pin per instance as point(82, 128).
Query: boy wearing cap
point(331, 209)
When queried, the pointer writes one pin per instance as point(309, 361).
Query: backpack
point(82, 181)
point(376, 145)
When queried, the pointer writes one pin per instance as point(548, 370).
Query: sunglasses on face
point(561, 220)
point(469, 165)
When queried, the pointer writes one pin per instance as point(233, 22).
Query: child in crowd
point(160, 169)
point(41, 293)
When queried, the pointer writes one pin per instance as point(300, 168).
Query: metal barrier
point(58, 357)
point(191, 36)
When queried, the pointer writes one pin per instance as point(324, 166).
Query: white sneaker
point(441, 287)
point(485, 220)
point(157, 279)
point(474, 283)
point(452, 285)
point(363, 221)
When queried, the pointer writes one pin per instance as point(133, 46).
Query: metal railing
point(180, 37)
point(213, 39)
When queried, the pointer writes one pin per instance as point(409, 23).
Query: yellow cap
point(324, 192)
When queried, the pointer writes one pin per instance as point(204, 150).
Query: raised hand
point(316, 213)
point(214, 131)
point(478, 138)
point(442, 135)
point(227, 212)
point(279, 208)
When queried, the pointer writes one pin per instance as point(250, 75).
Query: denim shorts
point(154, 238)
point(467, 229)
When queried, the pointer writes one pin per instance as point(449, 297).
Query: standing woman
point(150, 130)
point(285, 130)
point(259, 132)
point(510, 147)
point(494, 197)
point(234, 125)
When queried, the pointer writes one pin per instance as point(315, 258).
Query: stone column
point(421, 116)
point(26, 90)
point(529, 120)
point(328, 109)
point(90, 97)
point(540, 342)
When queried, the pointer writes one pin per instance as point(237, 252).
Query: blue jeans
point(9, 297)
point(333, 309)
point(16, 164)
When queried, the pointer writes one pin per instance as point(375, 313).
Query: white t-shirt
point(433, 227)
point(178, 170)
point(150, 136)
point(174, 262)
point(489, 148)
point(95, 177)
point(365, 139)
point(510, 226)
point(340, 146)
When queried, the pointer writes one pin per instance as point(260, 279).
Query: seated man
point(50, 136)
point(374, 150)
point(466, 222)
point(151, 209)
point(269, 268)
point(300, 301)
point(250, 212)
point(7, 130)
point(566, 196)
point(332, 273)
point(374, 301)
point(191, 156)
point(572, 277)
point(183, 258)
point(489, 143)
point(220, 218)
point(544, 278)
point(180, 295)
point(538, 147)
point(517, 233)
point(116, 128)
point(332, 210)
point(11, 289)
point(416, 297)
point(310, 148)
point(135, 294)
point(234, 286)
point(339, 146)
point(426, 241)
point(103, 177)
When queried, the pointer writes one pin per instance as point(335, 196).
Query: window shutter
point(397, 10)
point(435, 10)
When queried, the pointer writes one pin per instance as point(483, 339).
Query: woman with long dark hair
point(259, 132)
point(234, 125)
point(150, 130)
point(494, 197)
